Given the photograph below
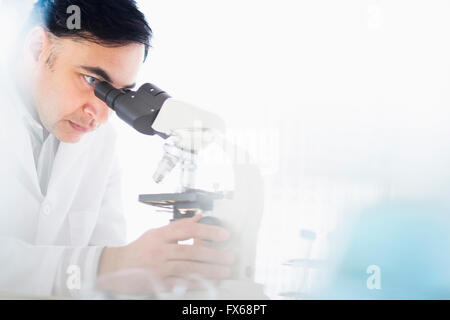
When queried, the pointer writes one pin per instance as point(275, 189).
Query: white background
point(356, 94)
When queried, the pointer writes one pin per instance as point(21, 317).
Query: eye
point(91, 80)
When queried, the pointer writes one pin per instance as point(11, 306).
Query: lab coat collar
point(16, 136)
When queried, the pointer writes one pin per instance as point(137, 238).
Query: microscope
point(188, 130)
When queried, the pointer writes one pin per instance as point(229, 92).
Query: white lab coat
point(40, 236)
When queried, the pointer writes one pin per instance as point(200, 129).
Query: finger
point(187, 229)
point(166, 233)
point(222, 245)
point(196, 269)
point(199, 253)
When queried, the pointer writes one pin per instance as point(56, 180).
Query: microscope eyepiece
point(137, 108)
point(107, 93)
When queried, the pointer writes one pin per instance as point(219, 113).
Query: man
point(60, 211)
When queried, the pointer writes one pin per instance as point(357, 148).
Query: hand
point(158, 252)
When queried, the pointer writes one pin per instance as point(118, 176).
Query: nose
point(97, 112)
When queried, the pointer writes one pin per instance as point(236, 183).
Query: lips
point(78, 128)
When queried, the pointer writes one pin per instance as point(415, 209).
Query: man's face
point(63, 93)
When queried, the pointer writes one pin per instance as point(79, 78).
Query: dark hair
point(106, 22)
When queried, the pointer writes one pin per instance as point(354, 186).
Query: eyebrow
point(103, 74)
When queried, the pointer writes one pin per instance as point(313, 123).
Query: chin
point(68, 138)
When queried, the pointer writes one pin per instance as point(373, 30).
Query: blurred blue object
point(307, 234)
point(394, 250)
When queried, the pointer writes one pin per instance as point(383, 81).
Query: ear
point(37, 43)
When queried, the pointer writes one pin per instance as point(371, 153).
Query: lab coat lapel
point(64, 183)
point(27, 174)
point(66, 160)
point(16, 141)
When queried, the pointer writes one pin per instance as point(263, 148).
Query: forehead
point(120, 63)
